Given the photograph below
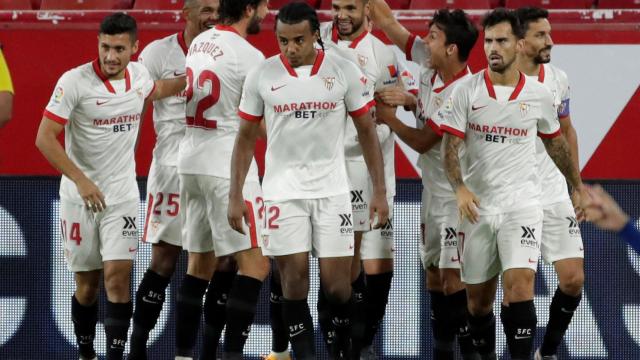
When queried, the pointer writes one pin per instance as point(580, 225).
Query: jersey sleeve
point(564, 108)
point(5, 75)
point(64, 99)
point(406, 77)
point(548, 125)
point(152, 59)
point(416, 50)
point(149, 85)
point(452, 115)
point(251, 103)
point(388, 67)
point(358, 97)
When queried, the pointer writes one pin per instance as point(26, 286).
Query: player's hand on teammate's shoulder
point(378, 210)
point(237, 212)
point(91, 195)
point(604, 211)
point(467, 204)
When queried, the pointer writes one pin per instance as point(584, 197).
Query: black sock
point(241, 309)
point(505, 320)
point(215, 312)
point(116, 325)
point(84, 325)
point(444, 332)
point(149, 301)
point(378, 287)
point(562, 308)
point(324, 318)
point(483, 333)
point(359, 315)
point(457, 304)
point(188, 311)
point(522, 319)
point(298, 318)
point(279, 332)
point(341, 321)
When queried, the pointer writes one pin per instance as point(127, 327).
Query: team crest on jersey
point(362, 60)
point(139, 92)
point(437, 102)
point(524, 109)
point(329, 81)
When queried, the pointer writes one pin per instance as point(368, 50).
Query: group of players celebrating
point(497, 150)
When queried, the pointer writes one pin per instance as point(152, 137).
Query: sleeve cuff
point(59, 119)
point(409, 46)
point(249, 117)
point(563, 116)
point(413, 92)
point(452, 131)
point(436, 129)
point(549, 136)
point(363, 110)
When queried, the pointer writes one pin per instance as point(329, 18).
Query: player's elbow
point(5, 116)
point(6, 108)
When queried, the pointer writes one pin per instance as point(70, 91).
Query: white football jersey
point(102, 119)
point(165, 59)
point(305, 111)
point(380, 65)
point(217, 63)
point(554, 187)
point(500, 164)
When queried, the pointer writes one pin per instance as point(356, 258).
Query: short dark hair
point(296, 12)
point(231, 11)
point(458, 29)
point(119, 23)
point(529, 14)
point(501, 15)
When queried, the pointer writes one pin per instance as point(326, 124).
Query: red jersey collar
point(492, 92)
point(354, 43)
point(105, 80)
point(226, 28)
point(314, 70)
point(541, 73)
point(181, 42)
point(457, 76)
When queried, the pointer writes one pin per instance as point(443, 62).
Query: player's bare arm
point(569, 133)
point(381, 15)
point(368, 138)
point(240, 161)
point(467, 201)
point(558, 150)
point(420, 140)
point(168, 87)
point(48, 144)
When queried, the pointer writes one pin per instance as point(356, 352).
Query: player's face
point(349, 15)
point(115, 52)
point(501, 46)
point(538, 42)
point(203, 14)
point(297, 42)
point(435, 42)
point(256, 17)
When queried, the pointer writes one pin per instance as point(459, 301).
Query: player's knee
point(479, 307)
point(434, 283)
point(451, 284)
point(87, 293)
point(295, 286)
point(572, 283)
point(337, 292)
point(117, 287)
point(519, 291)
point(258, 267)
point(201, 266)
point(164, 263)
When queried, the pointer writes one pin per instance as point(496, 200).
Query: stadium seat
point(85, 4)
point(15, 5)
point(550, 4)
point(394, 4)
point(619, 4)
point(451, 4)
point(277, 4)
point(158, 4)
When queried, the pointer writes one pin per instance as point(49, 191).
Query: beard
point(501, 67)
point(254, 25)
point(541, 58)
point(355, 27)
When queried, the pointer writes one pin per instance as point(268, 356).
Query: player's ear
point(249, 11)
point(520, 45)
point(185, 13)
point(134, 48)
point(451, 49)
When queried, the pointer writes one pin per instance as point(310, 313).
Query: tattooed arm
point(467, 201)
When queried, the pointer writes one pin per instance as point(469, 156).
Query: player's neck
point(189, 34)
point(449, 71)
point(118, 76)
point(509, 77)
point(528, 66)
point(241, 27)
point(354, 35)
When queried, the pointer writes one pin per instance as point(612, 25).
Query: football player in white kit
point(561, 241)
point(443, 55)
point(497, 114)
point(99, 105)
point(304, 96)
point(217, 63)
point(165, 59)
point(348, 36)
